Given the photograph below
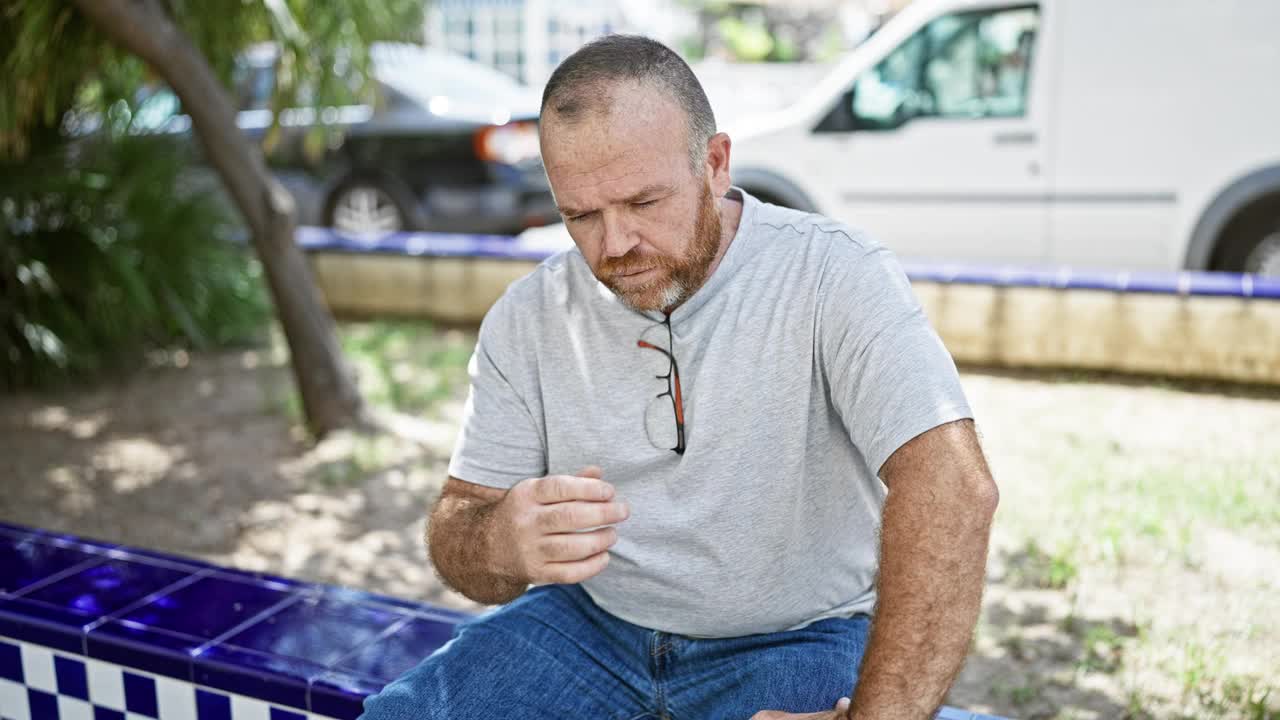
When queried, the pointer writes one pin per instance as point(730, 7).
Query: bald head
point(589, 82)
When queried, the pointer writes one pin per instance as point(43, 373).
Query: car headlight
point(513, 143)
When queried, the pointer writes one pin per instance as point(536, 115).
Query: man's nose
point(618, 237)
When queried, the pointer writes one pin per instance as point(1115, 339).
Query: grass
point(408, 366)
point(1118, 515)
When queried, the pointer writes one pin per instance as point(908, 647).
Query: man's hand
point(840, 712)
point(535, 536)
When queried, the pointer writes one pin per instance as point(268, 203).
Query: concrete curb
point(1220, 326)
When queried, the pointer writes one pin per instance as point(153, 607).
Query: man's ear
point(717, 164)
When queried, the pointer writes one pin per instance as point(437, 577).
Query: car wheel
point(366, 207)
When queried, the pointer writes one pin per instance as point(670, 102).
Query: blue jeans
point(553, 654)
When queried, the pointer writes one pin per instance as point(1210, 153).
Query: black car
point(449, 145)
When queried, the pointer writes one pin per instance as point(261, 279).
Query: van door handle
point(1017, 137)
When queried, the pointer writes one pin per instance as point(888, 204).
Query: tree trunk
point(329, 396)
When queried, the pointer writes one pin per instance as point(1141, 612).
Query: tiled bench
point(96, 631)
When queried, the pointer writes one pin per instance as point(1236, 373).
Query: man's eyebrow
point(641, 194)
point(649, 190)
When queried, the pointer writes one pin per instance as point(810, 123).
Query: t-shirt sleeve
point(501, 441)
point(890, 377)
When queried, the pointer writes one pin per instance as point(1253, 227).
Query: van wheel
point(1265, 258)
point(1254, 247)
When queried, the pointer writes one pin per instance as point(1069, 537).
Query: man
point(678, 434)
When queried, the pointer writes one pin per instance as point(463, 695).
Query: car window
point(965, 65)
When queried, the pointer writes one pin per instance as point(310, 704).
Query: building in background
point(527, 39)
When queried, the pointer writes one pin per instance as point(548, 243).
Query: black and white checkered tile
point(37, 683)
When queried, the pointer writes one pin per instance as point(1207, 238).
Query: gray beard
point(674, 293)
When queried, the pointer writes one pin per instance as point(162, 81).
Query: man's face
point(648, 226)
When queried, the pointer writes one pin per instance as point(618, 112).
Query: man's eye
point(645, 203)
point(578, 218)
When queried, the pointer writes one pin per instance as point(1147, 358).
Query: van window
point(964, 65)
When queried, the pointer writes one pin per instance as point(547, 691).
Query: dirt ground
point(1133, 573)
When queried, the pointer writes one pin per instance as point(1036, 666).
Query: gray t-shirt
point(805, 361)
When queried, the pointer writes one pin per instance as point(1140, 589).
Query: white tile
point(37, 668)
point(247, 708)
point(106, 684)
point(70, 708)
point(13, 700)
point(176, 700)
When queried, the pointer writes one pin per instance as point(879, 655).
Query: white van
point(1136, 134)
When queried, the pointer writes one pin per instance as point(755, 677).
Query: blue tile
point(261, 578)
point(207, 607)
point(26, 560)
point(258, 675)
point(387, 658)
point(1095, 280)
point(341, 695)
point(319, 629)
point(57, 538)
point(1264, 287)
point(43, 624)
point(926, 271)
point(353, 595)
point(142, 648)
point(1153, 282)
point(108, 587)
point(950, 713)
point(101, 713)
point(144, 554)
point(140, 695)
point(1216, 283)
point(11, 663)
point(282, 714)
point(43, 705)
point(72, 678)
point(974, 276)
point(212, 705)
point(11, 529)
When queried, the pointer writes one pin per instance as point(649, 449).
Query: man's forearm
point(459, 538)
point(934, 541)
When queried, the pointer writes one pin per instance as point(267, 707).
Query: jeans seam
point(656, 654)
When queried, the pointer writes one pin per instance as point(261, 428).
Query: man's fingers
point(570, 517)
point(591, 471)
point(563, 488)
point(568, 573)
point(568, 547)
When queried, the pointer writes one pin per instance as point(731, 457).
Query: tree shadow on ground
point(205, 461)
point(1034, 658)
point(158, 459)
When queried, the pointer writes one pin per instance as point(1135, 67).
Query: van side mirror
point(841, 117)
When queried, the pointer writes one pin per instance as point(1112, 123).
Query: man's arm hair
point(937, 524)
point(460, 541)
